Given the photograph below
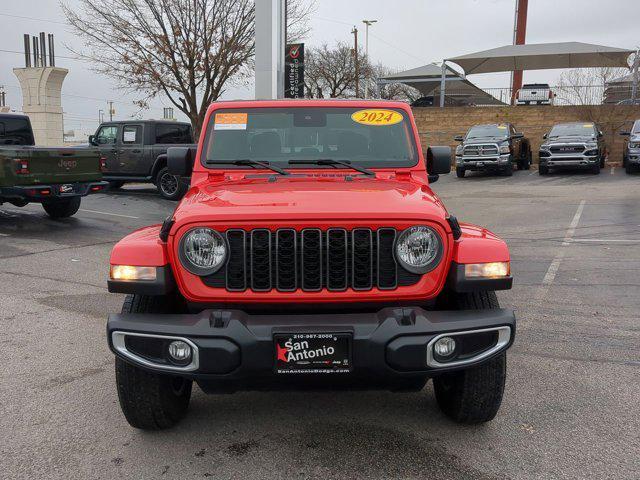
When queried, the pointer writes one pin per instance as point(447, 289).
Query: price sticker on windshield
point(230, 121)
point(376, 117)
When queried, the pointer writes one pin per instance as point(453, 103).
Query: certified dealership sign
point(294, 71)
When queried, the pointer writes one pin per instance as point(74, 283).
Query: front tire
point(169, 186)
point(460, 172)
point(595, 169)
point(150, 401)
point(543, 170)
point(473, 395)
point(62, 208)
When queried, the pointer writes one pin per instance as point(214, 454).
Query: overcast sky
point(409, 33)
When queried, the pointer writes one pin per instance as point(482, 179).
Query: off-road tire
point(169, 186)
point(473, 395)
point(150, 401)
point(62, 208)
point(543, 170)
point(460, 172)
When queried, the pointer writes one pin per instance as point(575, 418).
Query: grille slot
point(311, 259)
point(481, 150)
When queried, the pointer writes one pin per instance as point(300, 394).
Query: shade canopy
point(542, 56)
point(427, 80)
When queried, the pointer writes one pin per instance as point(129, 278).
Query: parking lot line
point(552, 271)
point(605, 240)
point(107, 213)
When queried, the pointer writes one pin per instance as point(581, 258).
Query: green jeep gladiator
point(56, 177)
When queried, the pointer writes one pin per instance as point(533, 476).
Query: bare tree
point(330, 72)
point(390, 91)
point(588, 86)
point(188, 50)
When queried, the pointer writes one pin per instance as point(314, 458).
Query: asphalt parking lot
point(571, 402)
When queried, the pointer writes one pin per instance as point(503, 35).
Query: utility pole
point(519, 36)
point(110, 111)
point(368, 23)
point(3, 99)
point(357, 60)
point(634, 85)
point(100, 116)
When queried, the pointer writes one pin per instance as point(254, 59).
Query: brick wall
point(439, 126)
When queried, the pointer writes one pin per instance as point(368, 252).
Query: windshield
point(573, 130)
point(483, 131)
point(366, 137)
point(15, 131)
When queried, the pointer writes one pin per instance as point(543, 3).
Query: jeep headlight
point(505, 149)
point(419, 249)
point(202, 251)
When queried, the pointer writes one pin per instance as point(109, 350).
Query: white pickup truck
point(535, 94)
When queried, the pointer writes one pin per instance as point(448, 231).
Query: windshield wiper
point(249, 163)
point(333, 162)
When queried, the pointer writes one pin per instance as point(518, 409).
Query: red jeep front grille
point(311, 259)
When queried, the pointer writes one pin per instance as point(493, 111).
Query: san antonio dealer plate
point(303, 353)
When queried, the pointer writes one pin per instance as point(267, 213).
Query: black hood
point(488, 139)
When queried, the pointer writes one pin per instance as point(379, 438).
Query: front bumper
point(633, 156)
point(234, 350)
point(484, 163)
point(572, 161)
point(43, 193)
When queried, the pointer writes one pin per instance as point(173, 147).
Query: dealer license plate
point(304, 353)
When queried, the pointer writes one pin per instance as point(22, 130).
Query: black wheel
point(508, 172)
point(529, 161)
point(62, 208)
point(595, 169)
point(628, 168)
point(542, 170)
point(602, 159)
point(169, 186)
point(150, 401)
point(460, 172)
point(473, 395)
point(114, 185)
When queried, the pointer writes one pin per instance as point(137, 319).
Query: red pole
point(519, 39)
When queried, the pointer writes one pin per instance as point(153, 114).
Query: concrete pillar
point(270, 43)
point(41, 101)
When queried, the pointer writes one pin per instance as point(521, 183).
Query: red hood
point(310, 198)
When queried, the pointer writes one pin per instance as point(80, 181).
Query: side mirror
point(625, 134)
point(545, 136)
point(438, 162)
point(180, 161)
point(459, 138)
point(518, 135)
point(92, 140)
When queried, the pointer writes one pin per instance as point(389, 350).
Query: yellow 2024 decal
point(376, 117)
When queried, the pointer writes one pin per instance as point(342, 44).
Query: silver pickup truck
point(578, 145)
point(631, 158)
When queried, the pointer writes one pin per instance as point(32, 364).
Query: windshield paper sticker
point(230, 121)
point(376, 117)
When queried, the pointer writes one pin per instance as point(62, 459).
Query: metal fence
point(612, 94)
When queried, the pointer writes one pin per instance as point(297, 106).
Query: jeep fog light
point(129, 272)
point(444, 347)
point(487, 270)
point(179, 351)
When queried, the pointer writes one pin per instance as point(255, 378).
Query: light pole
point(367, 23)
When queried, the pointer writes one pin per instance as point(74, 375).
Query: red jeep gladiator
point(309, 252)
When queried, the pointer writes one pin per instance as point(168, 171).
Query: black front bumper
point(43, 193)
point(236, 350)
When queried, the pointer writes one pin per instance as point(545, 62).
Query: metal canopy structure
point(427, 80)
point(539, 56)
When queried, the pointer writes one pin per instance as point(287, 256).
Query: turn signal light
point(129, 272)
point(487, 270)
point(103, 164)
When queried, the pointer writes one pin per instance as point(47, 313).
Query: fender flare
point(158, 164)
